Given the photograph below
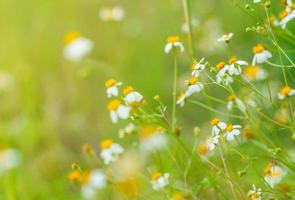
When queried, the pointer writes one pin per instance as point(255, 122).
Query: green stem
point(188, 22)
point(174, 92)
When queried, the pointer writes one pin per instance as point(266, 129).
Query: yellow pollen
point(231, 98)
point(220, 65)
point(258, 48)
point(251, 71)
point(149, 130)
point(193, 80)
point(177, 196)
point(84, 178)
point(202, 149)
point(229, 128)
point(114, 105)
point(156, 176)
point(105, 144)
point(214, 122)
point(173, 39)
point(109, 83)
point(232, 60)
point(283, 14)
point(268, 168)
point(74, 176)
point(193, 64)
point(71, 37)
point(285, 90)
point(127, 90)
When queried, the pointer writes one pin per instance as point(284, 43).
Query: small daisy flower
point(110, 151)
point(287, 15)
point(285, 92)
point(234, 67)
point(231, 100)
point(152, 137)
point(222, 76)
point(112, 87)
point(202, 149)
point(260, 54)
point(231, 131)
point(225, 38)
point(217, 126)
point(273, 174)
point(9, 159)
point(92, 182)
point(173, 41)
point(181, 99)
point(254, 73)
point(127, 130)
point(118, 111)
point(159, 180)
point(76, 47)
point(112, 14)
point(254, 193)
point(132, 96)
point(197, 67)
point(194, 86)
point(212, 142)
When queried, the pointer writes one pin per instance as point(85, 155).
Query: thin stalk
point(173, 120)
point(189, 24)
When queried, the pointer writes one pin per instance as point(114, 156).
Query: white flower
point(159, 181)
point(212, 142)
point(254, 73)
point(222, 76)
point(194, 86)
point(217, 126)
point(234, 67)
point(9, 158)
point(198, 67)
point(132, 96)
point(256, 1)
point(255, 193)
point(96, 180)
point(287, 15)
point(76, 47)
point(273, 174)
point(233, 100)
point(225, 37)
point(181, 99)
point(112, 14)
point(185, 27)
point(173, 41)
point(260, 54)
point(112, 87)
point(127, 130)
point(118, 111)
point(285, 92)
point(152, 138)
point(231, 131)
point(110, 151)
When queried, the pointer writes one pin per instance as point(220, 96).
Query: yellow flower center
point(181, 95)
point(193, 80)
point(71, 37)
point(268, 167)
point(220, 65)
point(285, 90)
point(110, 83)
point(105, 144)
point(149, 130)
point(156, 176)
point(232, 60)
point(127, 90)
point(177, 196)
point(84, 178)
point(251, 72)
point(202, 149)
point(231, 98)
point(173, 39)
point(258, 48)
point(283, 14)
point(74, 176)
point(229, 128)
point(215, 121)
point(114, 105)
point(193, 64)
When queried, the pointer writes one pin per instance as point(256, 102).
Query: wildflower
point(118, 111)
point(159, 180)
point(256, 1)
point(177, 196)
point(231, 131)
point(222, 76)
point(260, 54)
point(173, 41)
point(255, 193)
point(92, 182)
point(131, 96)
point(225, 38)
point(9, 159)
point(197, 67)
point(212, 142)
point(234, 67)
point(110, 151)
point(285, 92)
point(112, 87)
point(234, 100)
point(130, 128)
point(152, 137)
point(194, 86)
point(202, 149)
point(273, 174)
point(74, 176)
point(253, 73)
point(288, 14)
point(112, 14)
point(181, 99)
point(76, 47)
point(217, 126)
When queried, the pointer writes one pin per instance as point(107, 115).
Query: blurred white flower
point(231, 131)
point(261, 55)
point(112, 14)
point(194, 86)
point(197, 67)
point(131, 96)
point(181, 99)
point(288, 14)
point(159, 180)
point(212, 142)
point(225, 38)
point(254, 73)
point(93, 181)
point(273, 174)
point(112, 87)
point(217, 126)
point(222, 76)
point(194, 24)
point(255, 193)
point(152, 138)
point(76, 47)
point(234, 67)
point(231, 100)
point(127, 130)
point(173, 41)
point(256, 1)
point(118, 111)
point(110, 151)
point(9, 158)
point(285, 92)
